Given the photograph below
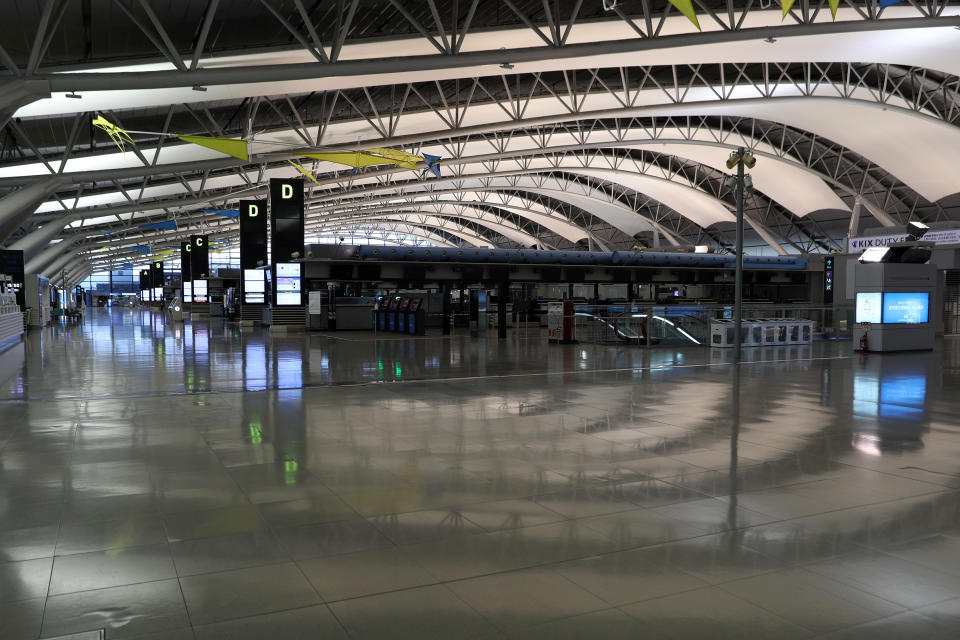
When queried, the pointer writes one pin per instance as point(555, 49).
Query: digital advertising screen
point(905, 308)
point(199, 290)
point(870, 307)
point(288, 285)
point(286, 298)
point(253, 281)
point(188, 292)
point(288, 269)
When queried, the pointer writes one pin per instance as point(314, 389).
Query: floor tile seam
point(53, 560)
point(552, 564)
point(881, 619)
point(836, 509)
point(733, 595)
point(849, 465)
point(321, 601)
point(252, 616)
point(365, 383)
point(114, 586)
point(808, 567)
point(272, 563)
point(904, 608)
point(935, 569)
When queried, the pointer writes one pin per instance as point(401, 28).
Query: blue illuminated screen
point(906, 308)
point(869, 307)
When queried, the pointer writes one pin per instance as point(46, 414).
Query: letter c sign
point(199, 242)
point(189, 246)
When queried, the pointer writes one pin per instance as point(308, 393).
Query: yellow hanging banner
point(355, 159)
point(686, 8)
point(834, 4)
point(118, 135)
point(229, 146)
point(304, 172)
point(786, 5)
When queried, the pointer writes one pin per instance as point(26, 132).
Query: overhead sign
point(253, 234)
point(945, 236)
point(286, 219)
point(199, 258)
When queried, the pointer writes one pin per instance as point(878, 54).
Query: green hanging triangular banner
point(229, 146)
point(686, 8)
point(786, 5)
point(834, 4)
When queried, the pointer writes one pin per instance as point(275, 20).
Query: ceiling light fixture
point(770, 39)
point(506, 65)
point(197, 87)
point(75, 96)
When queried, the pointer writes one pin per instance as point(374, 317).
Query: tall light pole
point(738, 286)
point(739, 158)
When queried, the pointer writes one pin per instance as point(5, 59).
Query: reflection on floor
point(204, 482)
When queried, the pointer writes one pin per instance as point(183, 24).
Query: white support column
point(854, 218)
point(17, 207)
point(765, 233)
point(37, 263)
point(34, 242)
point(54, 267)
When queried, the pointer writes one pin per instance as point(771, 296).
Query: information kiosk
point(392, 314)
point(415, 320)
point(380, 314)
point(402, 315)
point(894, 306)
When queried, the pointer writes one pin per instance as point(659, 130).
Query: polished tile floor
point(207, 482)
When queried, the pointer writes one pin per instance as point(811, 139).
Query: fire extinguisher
point(864, 343)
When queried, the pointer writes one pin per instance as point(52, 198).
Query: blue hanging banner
point(166, 224)
point(886, 3)
point(141, 248)
point(126, 265)
point(226, 213)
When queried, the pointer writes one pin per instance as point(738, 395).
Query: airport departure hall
point(479, 319)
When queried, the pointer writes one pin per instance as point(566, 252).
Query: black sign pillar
point(156, 274)
point(828, 279)
point(253, 234)
point(185, 272)
point(199, 258)
point(286, 219)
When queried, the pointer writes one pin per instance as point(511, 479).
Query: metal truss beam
point(132, 81)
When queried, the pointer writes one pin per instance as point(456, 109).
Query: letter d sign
point(253, 211)
point(286, 191)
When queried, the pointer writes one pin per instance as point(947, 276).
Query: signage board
point(861, 244)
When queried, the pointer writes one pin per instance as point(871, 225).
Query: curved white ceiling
point(877, 132)
point(581, 196)
point(795, 188)
point(690, 203)
point(448, 215)
point(398, 228)
point(933, 48)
